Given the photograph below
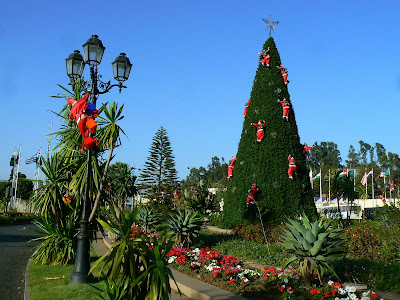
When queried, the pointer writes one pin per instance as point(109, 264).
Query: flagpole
point(372, 180)
point(329, 187)
point(311, 181)
point(320, 185)
point(16, 183)
point(384, 184)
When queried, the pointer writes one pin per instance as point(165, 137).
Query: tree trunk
point(96, 202)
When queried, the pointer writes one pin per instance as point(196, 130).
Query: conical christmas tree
point(265, 162)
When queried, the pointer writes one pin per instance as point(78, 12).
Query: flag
point(392, 186)
point(14, 158)
point(370, 173)
point(351, 173)
point(317, 176)
point(380, 175)
point(35, 158)
point(343, 173)
point(364, 179)
point(387, 172)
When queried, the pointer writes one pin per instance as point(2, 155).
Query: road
point(15, 251)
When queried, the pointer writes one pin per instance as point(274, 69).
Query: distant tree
point(122, 184)
point(353, 158)
point(381, 154)
point(24, 187)
point(323, 155)
point(366, 148)
point(159, 176)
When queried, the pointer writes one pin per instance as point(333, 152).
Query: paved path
point(15, 251)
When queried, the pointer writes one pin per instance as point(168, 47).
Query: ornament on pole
point(270, 24)
point(260, 130)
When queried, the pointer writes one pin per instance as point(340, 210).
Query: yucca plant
point(313, 246)
point(59, 240)
point(114, 290)
point(184, 226)
point(149, 217)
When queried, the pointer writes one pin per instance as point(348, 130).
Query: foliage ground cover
point(15, 217)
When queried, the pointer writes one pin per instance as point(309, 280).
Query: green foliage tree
point(122, 184)
point(326, 154)
point(353, 158)
point(266, 163)
point(159, 177)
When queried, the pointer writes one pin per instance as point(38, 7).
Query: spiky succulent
point(185, 225)
point(149, 217)
point(313, 246)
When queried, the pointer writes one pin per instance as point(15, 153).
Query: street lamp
point(93, 51)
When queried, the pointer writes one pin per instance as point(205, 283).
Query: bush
point(367, 240)
point(377, 275)
point(254, 233)
point(184, 226)
point(16, 217)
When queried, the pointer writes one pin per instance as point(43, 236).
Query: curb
point(27, 292)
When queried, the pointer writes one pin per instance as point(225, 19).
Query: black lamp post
point(93, 51)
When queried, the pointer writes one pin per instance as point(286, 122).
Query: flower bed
point(229, 273)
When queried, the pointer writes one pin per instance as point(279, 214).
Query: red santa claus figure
point(246, 106)
point(392, 186)
point(286, 108)
point(292, 166)
point(284, 73)
point(231, 167)
point(251, 198)
point(260, 130)
point(266, 58)
point(306, 150)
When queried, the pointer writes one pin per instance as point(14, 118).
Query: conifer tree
point(266, 163)
point(159, 176)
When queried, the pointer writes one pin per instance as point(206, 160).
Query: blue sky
point(193, 67)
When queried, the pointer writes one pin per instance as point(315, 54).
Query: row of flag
point(345, 172)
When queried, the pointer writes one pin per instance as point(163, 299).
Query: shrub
point(184, 226)
point(149, 217)
point(313, 246)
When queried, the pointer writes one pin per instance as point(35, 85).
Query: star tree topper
point(270, 24)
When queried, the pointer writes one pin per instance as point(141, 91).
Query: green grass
point(242, 248)
point(57, 289)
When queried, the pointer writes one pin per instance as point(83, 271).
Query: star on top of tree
point(270, 24)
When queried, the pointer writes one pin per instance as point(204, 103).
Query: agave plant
point(114, 290)
point(149, 217)
point(313, 246)
point(184, 226)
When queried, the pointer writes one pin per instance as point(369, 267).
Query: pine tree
point(159, 176)
point(266, 163)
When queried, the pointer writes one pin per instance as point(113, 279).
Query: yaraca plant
point(313, 246)
point(184, 226)
point(149, 217)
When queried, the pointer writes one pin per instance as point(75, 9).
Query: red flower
point(373, 295)
point(334, 292)
point(281, 288)
point(232, 280)
point(314, 292)
point(215, 273)
point(327, 294)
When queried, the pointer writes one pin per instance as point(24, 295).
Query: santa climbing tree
point(265, 163)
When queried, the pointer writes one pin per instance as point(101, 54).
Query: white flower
point(365, 294)
point(350, 289)
point(365, 298)
point(353, 296)
point(330, 282)
point(286, 280)
point(171, 259)
point(342, 291)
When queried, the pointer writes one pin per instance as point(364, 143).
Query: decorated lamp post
point(93, 51)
